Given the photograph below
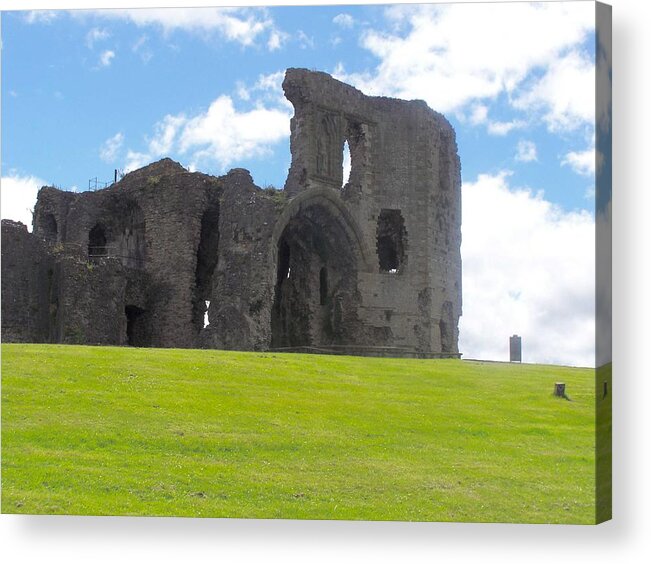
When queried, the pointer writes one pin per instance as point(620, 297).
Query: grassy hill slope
point(120, 431)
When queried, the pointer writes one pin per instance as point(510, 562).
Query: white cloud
point(272, 81)
point(18, 197)
point(504, 127)
point(221, 135)
point(106, 58)
point(582, 162)
point(269, 88)
point(565, 94)
point(304, 40)
point(141, 49)
point(41, 16)
point(165, 133)
point(224, 135)
point(109, 149)
point(479, 114)
point(137, 160)
point(95, 35)
point(526, 151)
point(241, 25)
point(462, 54)
point(242, 91)
point(344, 20)
point(528, 268)
point(276, 40)
point(586, 162)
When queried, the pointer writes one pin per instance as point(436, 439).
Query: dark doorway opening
point(97, 243)
point(136, 329)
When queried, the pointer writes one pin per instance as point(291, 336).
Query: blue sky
point(86, 92)
point(53, 67)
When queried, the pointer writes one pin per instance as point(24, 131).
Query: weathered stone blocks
point(169, 258)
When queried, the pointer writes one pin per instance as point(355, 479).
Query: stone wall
point(27, 285)
point(242, 289)
point(403, 199)
point(371, 265)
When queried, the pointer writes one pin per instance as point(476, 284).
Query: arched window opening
point(355, 159)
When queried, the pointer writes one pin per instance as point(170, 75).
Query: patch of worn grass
point(120, 431)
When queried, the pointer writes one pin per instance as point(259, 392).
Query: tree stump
point(559, 389)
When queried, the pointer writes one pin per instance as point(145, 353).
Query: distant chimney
point(515, 345)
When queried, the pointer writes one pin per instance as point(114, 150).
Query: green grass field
point(120, 431)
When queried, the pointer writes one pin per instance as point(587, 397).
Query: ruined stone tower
point(370, 266)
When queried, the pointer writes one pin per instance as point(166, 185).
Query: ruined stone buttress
point(171, 258)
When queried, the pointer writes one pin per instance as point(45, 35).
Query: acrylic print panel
point(314, 262)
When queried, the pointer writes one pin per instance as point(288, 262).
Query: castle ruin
point(368, 267)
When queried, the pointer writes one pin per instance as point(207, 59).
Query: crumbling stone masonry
point(369, 267)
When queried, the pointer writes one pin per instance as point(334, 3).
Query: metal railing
point(100, 251)
point(95, 184)
point(110, 251)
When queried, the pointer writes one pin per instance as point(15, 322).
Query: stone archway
point(332, 203)
point(315, 293)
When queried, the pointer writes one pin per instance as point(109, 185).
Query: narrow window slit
point(347, 164)
point(206, 321)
